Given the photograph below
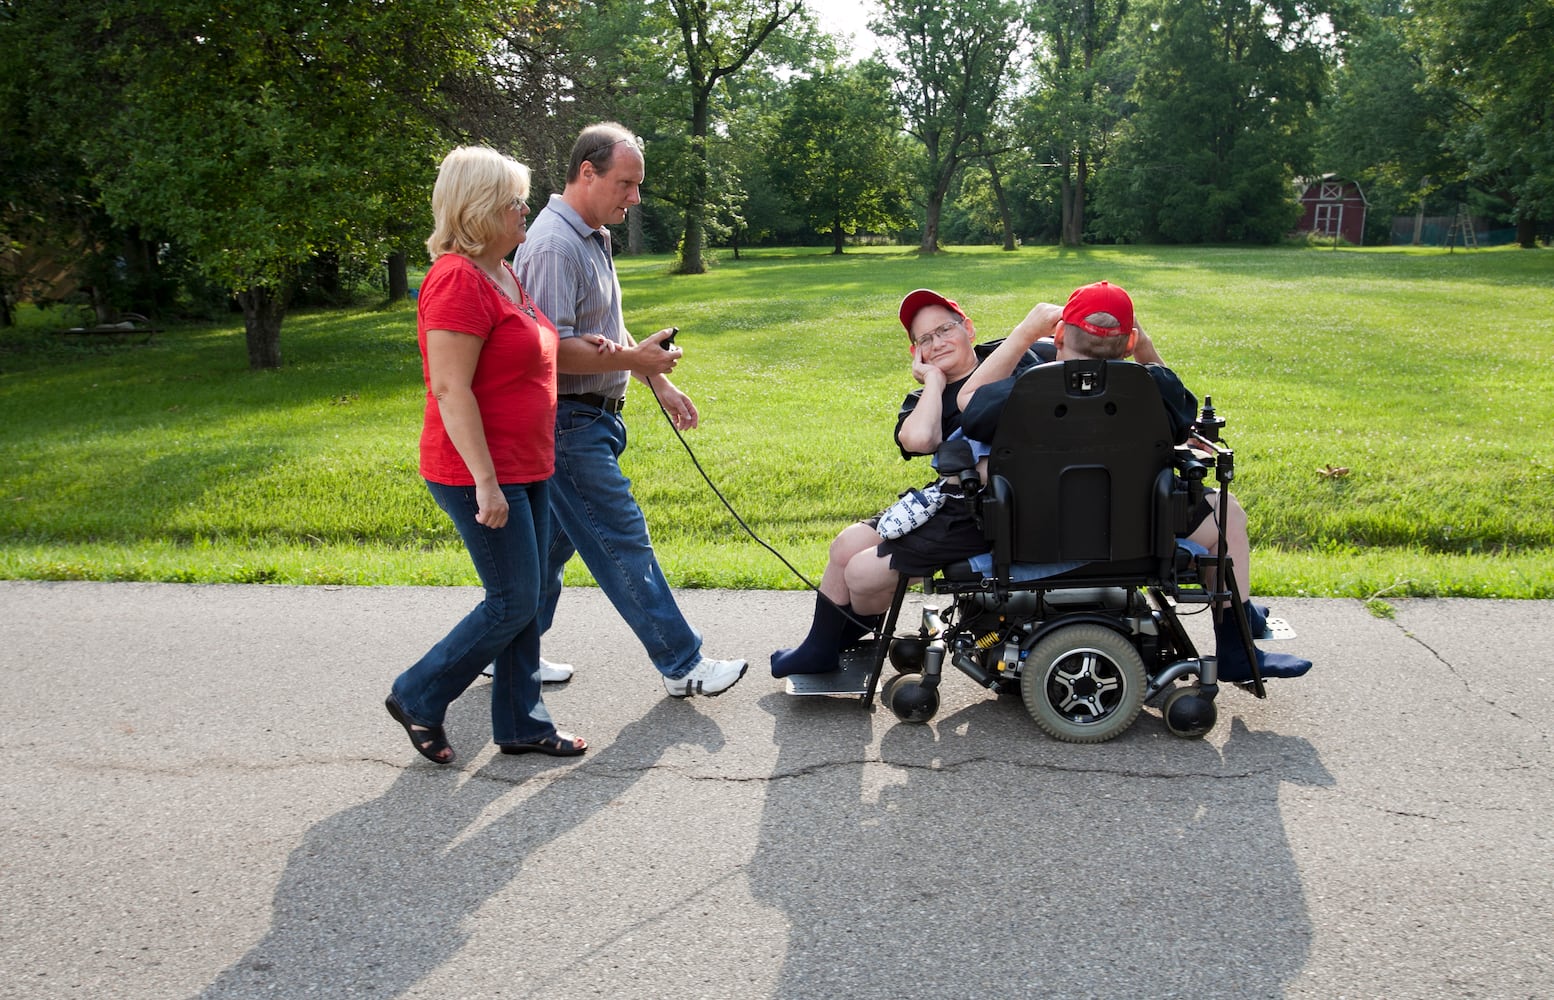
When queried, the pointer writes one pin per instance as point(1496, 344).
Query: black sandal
point(556, 745)
point(429, 743)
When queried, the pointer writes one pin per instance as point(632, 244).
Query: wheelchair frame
point(1088, 647)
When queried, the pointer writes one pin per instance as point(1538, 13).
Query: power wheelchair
point(1076, 606)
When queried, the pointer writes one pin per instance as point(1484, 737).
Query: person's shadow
point(979, 857)
point(378, 896)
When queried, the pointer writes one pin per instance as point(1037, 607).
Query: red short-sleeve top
point(514, 382)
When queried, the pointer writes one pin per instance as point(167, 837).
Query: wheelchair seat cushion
point(982, 565)
point(1024, 572)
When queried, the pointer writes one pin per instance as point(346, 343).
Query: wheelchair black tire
point(910, 701)
point(1083, 683)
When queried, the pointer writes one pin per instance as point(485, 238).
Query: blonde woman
point(487, 449)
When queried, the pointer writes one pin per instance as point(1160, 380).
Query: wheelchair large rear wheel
point(1083, 683)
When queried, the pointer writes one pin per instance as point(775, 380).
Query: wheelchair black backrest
point(1082, 462)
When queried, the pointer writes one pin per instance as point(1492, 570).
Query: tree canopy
point(159, 151)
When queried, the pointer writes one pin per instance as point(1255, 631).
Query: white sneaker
point(550, 673)
point(554, 673)
point(708, 677)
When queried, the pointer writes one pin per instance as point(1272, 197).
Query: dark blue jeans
point(597, 517)
point(502, 629)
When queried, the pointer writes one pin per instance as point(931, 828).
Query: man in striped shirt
point(566, 264)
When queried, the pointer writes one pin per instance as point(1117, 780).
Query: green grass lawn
point(1428, 375)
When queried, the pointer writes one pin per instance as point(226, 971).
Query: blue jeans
point(597, 517)
point(502, 629)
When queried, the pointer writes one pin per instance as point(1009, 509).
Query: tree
point(839, 159)
point(1385, 124)
point(717, 37)
point(259, 136)
point(1492, 56)
point(1075, 105)
point(948, 59)
point(1225, 93)
point(55, 237)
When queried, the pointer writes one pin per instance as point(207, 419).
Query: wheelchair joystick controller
point(1209, 422)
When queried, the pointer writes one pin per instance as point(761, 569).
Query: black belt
point(605, 403)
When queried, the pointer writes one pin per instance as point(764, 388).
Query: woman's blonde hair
point(475, 186)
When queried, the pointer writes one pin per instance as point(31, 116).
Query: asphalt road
point(203, 797)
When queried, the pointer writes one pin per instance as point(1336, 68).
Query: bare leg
point(1238, 545)
point(871, 582)
point(853, 539)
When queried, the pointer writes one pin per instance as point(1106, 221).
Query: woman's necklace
point(522, 301)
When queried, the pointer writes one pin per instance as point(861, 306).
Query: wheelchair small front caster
point(906, 653)
point(887, 687)
point(1188, 713)
point(909, 699)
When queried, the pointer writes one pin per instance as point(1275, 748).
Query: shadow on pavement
point(1187, 866)
point(378, 896)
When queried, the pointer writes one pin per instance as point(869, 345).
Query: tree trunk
point(398, 276)
point(1074, 200)
point(696, 200)
point(634, 232)
point(691, 243)
point(263, 310)
point(943, 177)
point(1003, 203)
point(930, 240)
point(838, 238)
point(1527, 234)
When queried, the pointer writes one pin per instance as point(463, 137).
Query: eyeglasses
point(937, 333)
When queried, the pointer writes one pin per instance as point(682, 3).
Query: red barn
point(1333, 207)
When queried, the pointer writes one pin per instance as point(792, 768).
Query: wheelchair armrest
point(998, 524)
point(1174, 501)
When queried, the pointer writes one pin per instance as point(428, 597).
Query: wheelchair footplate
point(851, 679)
point(1277, 628)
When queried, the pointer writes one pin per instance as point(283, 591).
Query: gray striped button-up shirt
point(566, 266)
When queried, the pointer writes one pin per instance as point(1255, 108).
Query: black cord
point(719, 494)
point(846, 613)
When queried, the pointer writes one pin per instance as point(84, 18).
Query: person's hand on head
point(1042, 321)
point(1144, 351)
point(924, 371)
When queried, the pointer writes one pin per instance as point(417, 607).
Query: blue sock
point(1233, 664)
point(820, 652)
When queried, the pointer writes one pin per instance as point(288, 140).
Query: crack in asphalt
point(1461, 678)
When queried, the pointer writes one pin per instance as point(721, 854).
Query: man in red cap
point(941, 338)
point(1098, 322)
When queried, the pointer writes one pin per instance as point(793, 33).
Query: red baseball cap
point(916, 300)
point(1101, 297)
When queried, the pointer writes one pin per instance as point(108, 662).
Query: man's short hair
point(1090, 345)
point(596, 144)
